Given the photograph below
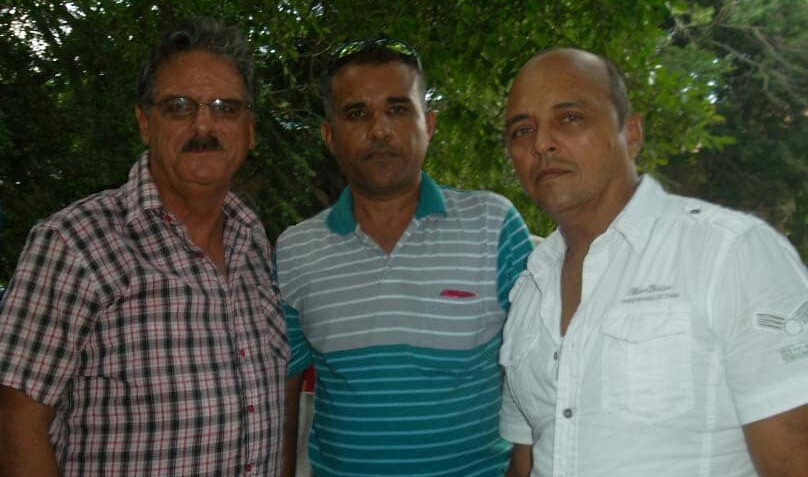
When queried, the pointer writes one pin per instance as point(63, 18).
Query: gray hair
point(197, 33)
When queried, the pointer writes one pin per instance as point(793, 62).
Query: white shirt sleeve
point(760, 314)
point(513, 427)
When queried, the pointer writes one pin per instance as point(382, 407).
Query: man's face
point(379, 131)
point(564, 139)
point(202, 152)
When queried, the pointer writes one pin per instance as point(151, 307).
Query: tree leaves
point(67, 80)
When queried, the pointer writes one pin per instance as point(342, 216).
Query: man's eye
point(397, 109)
point(571, 117)
point(227, 107)
point(355, 114)
point(178, 106)
point(521, 131)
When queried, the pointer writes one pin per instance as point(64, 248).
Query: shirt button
point(568, 413)
point(555, 355)
point(250, 408)
point(242, 353)
point(200, 255)
point(248, 467)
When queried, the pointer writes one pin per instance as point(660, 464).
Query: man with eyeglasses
point(142, 332)
point(397, 293)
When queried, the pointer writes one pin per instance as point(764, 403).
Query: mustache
point(198, 143)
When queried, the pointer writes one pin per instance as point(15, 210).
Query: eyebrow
point(515, 119)
point(353, 105)
point(559, 106)
point(399, 99)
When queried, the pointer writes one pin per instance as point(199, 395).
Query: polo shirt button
point(248, 467)
point(568, 413)
point(250, 408)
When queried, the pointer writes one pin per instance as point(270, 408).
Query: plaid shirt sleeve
point(46, 314)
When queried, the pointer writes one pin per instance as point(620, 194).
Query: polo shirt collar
point(341, 219)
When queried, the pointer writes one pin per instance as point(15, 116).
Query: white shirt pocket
point(647, 372)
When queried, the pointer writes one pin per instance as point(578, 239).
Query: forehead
point(367, 82)
point(559, 78)
point(198, 72)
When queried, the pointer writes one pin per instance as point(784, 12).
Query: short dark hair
point(197, 33)
point(378, 51)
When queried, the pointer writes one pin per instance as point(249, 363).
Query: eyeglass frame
point(215, 111)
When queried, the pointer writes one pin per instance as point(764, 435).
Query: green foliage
point(762, 91)
point(67, 80)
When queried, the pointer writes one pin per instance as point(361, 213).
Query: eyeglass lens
point(182, 107)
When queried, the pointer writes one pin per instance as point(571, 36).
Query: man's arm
point(779, 444)
point(24, 446)
point(521, 461)
point(294, 386)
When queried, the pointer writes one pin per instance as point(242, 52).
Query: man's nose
point(380, 127)
point(544, 141)
point(203, 119)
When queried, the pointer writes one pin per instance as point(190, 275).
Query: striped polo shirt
point(404, 344)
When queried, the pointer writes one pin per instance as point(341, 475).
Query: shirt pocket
point(647, 372)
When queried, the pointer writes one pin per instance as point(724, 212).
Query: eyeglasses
point(342, 54)
point(183, 107)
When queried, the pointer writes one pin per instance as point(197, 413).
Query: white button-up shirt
point(693, 321)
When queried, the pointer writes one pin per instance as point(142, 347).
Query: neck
point(385, 219)
point(582, 226)
point(202, 216)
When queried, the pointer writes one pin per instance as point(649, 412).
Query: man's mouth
point(549, 173)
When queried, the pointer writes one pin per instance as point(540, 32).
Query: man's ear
point(142, 124)
point(326, 133)
point(431, 119)
point(634, 135)
point(252, 132)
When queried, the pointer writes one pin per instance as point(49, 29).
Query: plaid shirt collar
point(141, 195)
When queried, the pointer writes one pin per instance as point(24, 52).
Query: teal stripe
point(512, 252)
point(408, 381)
point(299, 350)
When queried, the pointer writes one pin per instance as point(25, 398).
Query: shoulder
point(475, 202)
point(711, 218)
point(87, 217)
point(711, 233)
point(304, 233)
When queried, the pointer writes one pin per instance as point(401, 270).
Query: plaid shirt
point(155, 363)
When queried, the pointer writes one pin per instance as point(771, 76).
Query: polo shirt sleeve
point(300, 350)
point(299, 347)
point(512, 252)
point(760, 310)
point(46, 315)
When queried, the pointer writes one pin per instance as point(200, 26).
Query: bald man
point(651, 335)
